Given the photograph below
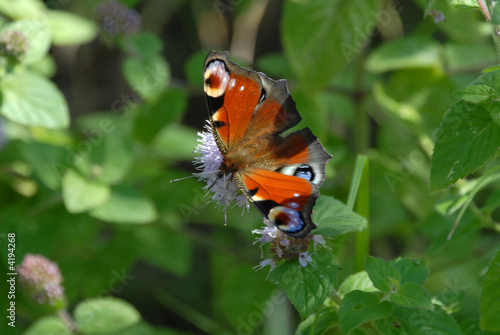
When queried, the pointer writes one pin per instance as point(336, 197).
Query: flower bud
point(41, 279)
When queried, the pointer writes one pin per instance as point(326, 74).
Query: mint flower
point(116, 20)
point(13, 45)
point(224, 190)
point(284, 247)
point(41, 279)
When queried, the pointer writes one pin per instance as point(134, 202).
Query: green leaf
point(360, 307)
point(38, 35)
point(175, 142)
point(70, 29)
point(48, 162)
point(80, 195)
point(105, 315)
point(384, 275)
point(326, 35)
point(48, 325)
point(461, 57)
point(275, 65)
point(151, 118)
point(110, 156)
point(475, 93)
point(413, 296)
point(490, 296)
point(466, 139)
point(359, 281)
point(307, 287)
point(126, 205)
point(411, 270)
point(407, 52)
point(495, 112)
point(32, 100)
point(471, 327)
point(21, 9)
point(333, 218)
point(193, 66)
point(417, 321)
point(465, 4)
point(149, 76)
point(144, 45)
point(320, 323)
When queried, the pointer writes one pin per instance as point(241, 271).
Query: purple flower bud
point(116, 20)
point(41, 279)
point(13, 45)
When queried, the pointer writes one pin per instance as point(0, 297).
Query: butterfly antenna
point(179, 179)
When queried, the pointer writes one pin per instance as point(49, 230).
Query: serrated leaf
point(80, 195)
point(490, 296)
point(324, 34)
point(38, 35)
point(307, 287)
point(360, 307)
point(359, 281)
point(105, 315)
point(465, 4)
point(149, 77)
point(413, 296)
point(407, 52)
point(383, 274)
point(32, 100)
point(475, 93)
point(69, 29)
point(126, 205)
point(411, 270)
point(333, 218)
point(48, 325)
point(466, 139)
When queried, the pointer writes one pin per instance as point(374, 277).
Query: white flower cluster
point(224, 188)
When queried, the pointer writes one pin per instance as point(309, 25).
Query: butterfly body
point(248, 114)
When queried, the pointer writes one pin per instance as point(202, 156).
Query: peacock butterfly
point(248, 113)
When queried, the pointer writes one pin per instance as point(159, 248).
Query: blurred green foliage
point(97, 117)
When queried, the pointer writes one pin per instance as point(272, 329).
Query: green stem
point(495, 30)
point(361, 120)
point(362, 238)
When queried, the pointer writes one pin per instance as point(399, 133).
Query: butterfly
point(279, 174)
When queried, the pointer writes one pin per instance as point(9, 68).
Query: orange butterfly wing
point(248, 112)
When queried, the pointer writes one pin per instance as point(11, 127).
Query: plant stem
point(494, 28)
point(362, 238)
